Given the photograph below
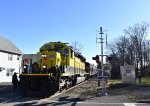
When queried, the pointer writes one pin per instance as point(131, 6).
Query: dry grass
point(146, 80)
point(114, 81)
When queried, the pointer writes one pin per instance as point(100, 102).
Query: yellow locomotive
point(56, 66)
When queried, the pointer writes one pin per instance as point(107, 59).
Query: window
point(71, 53)
point(58, 46)
point(59, 51)
point(48, 47)
point(66, 52)
point(10, 72)
point(10, 57)
point(17, 57)
point(2, 68)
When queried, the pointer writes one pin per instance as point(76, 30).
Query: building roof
point(7, 46)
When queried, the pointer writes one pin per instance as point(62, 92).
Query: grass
point(144, 80)
point(115, 81)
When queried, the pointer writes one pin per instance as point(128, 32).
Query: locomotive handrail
point(36, 74)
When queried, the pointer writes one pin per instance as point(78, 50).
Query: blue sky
point(31, 23)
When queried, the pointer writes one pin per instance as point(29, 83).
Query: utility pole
point(101, 41)
point(101, 33)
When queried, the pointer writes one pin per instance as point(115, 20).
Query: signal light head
point(96, 58)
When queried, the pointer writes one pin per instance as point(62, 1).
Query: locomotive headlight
point(44, 67)
point(24, 66)
point(44, 55)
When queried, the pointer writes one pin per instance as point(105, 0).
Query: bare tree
point(77, 47)
point(137, 33)
point(133, 47)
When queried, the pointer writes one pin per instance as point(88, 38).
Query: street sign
point(128, 73)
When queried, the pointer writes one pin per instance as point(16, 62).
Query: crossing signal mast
point(101, 42)
point(100, 69)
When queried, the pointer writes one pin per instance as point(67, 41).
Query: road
point(80, 95)
point(49, 102)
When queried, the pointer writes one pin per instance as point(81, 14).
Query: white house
point(10, 59)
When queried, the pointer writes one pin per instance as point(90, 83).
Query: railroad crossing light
point(96, 58)
point(109, 58)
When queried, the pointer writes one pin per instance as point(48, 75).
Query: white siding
point(7, 64)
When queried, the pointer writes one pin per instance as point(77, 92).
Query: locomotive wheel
point(67, 86)
point(60, 89)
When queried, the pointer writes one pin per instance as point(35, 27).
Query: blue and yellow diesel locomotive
point(56, 66)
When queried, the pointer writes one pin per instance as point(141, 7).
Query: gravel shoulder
point(89, 90)
point(135, 92)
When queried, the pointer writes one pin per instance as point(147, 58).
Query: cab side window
point(66, 52)
point(71, 53)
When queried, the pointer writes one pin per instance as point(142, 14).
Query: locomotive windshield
point(48, 47)
point(59, 50)
point(58, 46)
